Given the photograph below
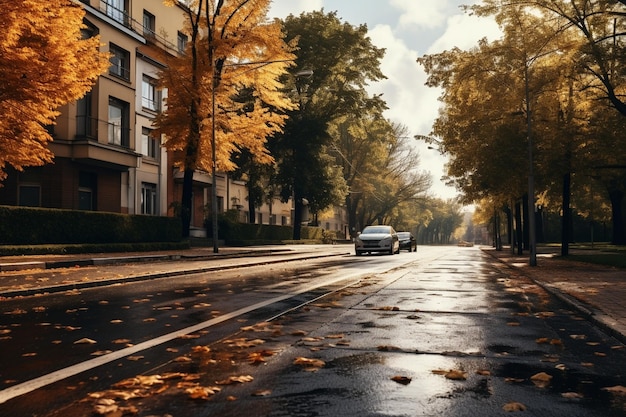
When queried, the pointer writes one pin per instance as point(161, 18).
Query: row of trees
point(555, 80)
point(280, 104)
point(293, 117)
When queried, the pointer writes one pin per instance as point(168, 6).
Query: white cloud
point(464, 31)
point(425, 14)
point(410, 102)
point(282, 9)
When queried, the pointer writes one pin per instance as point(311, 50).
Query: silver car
point(377, 239)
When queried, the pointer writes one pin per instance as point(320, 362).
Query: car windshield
point(377, 229)
point(404, 235)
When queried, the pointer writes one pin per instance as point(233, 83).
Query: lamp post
point(213, 167)
point(532, 239)
point(299, 198)
point(213, 144)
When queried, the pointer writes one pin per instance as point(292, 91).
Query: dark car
point(377, 239)
point(407, 241)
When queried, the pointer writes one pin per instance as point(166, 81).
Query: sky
point(407, 29)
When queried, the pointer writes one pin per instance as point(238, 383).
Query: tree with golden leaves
point(44, 64)
point(233, 52)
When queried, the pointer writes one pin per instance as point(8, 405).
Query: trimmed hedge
point(41, 226)
point(236, 233)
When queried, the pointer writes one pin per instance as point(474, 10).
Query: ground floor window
point(87, 185)
point(148, 198)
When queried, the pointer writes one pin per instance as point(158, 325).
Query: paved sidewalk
point(598, 292)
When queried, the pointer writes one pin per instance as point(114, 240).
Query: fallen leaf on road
point(121, 341)
point(400, 379)
point(235, 380)
point(456, 375)
point(571, 395)
point(262, 393)
point(483, 372)
point(105, 406)
point(85, 341)
point(200, 349)
point(135, 358)
point(182, 359)
point(101, 352)
point(201, 393)
point(308, 364)
point(116, 321)
point(513, 406)
point(541, 380)
point(388, 308)
point(617, 390)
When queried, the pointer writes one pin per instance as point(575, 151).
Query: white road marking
point(56, 376)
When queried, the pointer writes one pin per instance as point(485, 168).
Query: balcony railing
point(109, 8)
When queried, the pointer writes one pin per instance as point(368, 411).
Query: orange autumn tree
point(236, 56)
point(44, 64)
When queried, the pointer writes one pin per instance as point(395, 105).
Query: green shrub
point(40, 226)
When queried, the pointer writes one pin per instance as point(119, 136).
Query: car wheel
point(358, 253)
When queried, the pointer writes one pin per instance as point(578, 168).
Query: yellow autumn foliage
point(247, 54)
point(44, 64)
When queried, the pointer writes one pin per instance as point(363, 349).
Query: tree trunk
point(567, 215)
point(519, 236)
point(297, 217)
point(619, 234)
point(186, 201)
point(526, 222)
point(251, 209)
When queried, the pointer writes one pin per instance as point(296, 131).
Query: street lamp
point(213, 145)
point(299, 200)
point(532, 239)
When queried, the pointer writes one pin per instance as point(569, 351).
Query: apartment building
point(106, 156)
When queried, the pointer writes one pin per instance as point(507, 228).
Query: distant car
point(407, 241)
point(377, 239)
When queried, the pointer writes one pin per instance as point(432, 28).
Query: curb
point(597, 317)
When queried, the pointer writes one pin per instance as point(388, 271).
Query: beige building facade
point(106, 156)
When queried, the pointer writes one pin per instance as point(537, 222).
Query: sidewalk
point(595, 291)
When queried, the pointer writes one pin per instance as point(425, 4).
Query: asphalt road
point(444, 331)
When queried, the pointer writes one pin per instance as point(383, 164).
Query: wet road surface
point(445, 331)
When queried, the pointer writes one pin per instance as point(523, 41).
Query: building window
point(273, 219)
point(149, 25)
point(116, 10)
point(118, 124)
point(220, 204)
point(150, 95)
point(182, 42)
point(284, 221)
point(120, 62)
point(149, 145)
point(29, 187)
point(148, 198)
point(85, 123)
point(87, 184)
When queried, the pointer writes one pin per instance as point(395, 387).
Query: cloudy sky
point(407, 29)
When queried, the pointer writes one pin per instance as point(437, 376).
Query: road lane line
point(56, 376)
